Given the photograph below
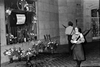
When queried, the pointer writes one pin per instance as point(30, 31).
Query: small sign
point(20, 18)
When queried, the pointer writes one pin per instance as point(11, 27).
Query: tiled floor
point(63, 59)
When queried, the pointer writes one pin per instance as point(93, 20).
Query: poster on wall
point(20, 18)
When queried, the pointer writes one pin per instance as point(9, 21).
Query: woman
point(77, 40)
point(69, 31)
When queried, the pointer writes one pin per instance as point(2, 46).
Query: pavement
point(63, 59)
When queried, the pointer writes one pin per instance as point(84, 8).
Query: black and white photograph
point(50, 33)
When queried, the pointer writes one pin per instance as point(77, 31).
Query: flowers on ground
point(38, 47)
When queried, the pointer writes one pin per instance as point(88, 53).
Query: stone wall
point(69, 10)
point(2, 24)
point(48, 18)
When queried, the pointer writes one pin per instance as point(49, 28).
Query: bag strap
point(78, 38)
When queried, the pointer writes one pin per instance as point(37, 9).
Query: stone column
point(99, 13)
point(2, 23)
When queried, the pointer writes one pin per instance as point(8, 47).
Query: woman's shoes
point(77, 65)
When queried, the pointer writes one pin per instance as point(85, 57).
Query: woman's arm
point(81, 39)
point(73, 40)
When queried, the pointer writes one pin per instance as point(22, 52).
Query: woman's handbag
point(73, 46)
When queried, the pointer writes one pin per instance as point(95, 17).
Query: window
point(94, 13)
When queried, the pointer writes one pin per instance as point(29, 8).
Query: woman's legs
point(78, 63)
point(70, 44)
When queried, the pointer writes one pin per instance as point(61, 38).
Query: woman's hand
point(78, 42)
point(73, 41)
point(81, 40)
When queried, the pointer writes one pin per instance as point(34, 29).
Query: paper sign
point(20, 18)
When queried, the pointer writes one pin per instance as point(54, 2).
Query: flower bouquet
point(29, 54)
point(52, 45)
point(14, 52)
point(9, 53)
point(39, 46)
point(19, 53)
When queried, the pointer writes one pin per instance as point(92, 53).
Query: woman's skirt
point(78, 53)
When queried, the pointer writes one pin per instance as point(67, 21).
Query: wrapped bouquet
point(13, 52)
point(9, 53)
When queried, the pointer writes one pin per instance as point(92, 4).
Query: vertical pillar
point(99, 13)
point(2, 24)
point(99, 18)
point(37, 16)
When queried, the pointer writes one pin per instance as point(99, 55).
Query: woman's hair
point(79, 29)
